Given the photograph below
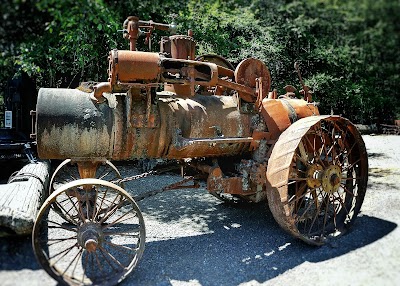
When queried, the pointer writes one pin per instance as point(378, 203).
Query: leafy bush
point(348, 50)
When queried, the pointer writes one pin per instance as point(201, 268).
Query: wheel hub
point(90, 236)
point(328, 178)
point(331, 179)
point(314, 174)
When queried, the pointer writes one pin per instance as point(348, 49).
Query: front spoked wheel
point(97, 239)
point(68, 171)
point(317, 176)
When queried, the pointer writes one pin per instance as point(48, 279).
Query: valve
point(133, 28)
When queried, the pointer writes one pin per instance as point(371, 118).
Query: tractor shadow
point(232, 245)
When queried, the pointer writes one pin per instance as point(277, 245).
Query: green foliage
point(78, 39)
point(229, 30)
point(348, 50)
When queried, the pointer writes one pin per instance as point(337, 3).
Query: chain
point(173, 186)
point(148, 194)
point(144, 175)
point(135, 177)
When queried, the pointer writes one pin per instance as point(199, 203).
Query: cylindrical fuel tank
point(71, 125)
point(133, 66)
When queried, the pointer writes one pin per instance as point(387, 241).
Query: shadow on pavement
point(241, 245)
point(16, 253)
point(230, 245)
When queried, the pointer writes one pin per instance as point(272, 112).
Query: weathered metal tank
point(249, 144)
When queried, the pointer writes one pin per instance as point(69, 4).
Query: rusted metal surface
point(220, 61)
point(234, 115)
point(133, 66)
point(246, 74)
point(132, 25)
point(127, 68)
point(178, 47)
point(279, 114)
point(317, 177)
point(306, 91)
point(70, 125)
point(248, 184)
point(178, 128)
point(226, 73)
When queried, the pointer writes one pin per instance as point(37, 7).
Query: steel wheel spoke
point(111, 211)
point(352, 165)
point(351, 179)
point(108, 256)
point(304, 213)
point(327, 201)
point(101, 204)
point(121, 248)
point(297, 198)
point(119, 220)
point(90, 252)
point(347, 191)
point(305, 162)
point(77, 261)
point(295, 180)
point(63, 252)
point(66, 213)
point(98, 261)
point(124, 232)
point(58, 225)
point(68, 173)
point(85, 267)
point(77, 209)
point(107, 172)
point(343, 204)
point(72, 261)
point(312, 145)
point(59, 240)
point(315, 218)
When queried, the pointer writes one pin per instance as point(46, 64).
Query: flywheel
point(317, 177)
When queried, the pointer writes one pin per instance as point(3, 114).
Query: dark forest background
point(348, 50)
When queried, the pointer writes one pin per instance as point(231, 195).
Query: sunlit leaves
point(348, 51)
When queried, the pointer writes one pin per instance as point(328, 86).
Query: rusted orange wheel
point(317, 177)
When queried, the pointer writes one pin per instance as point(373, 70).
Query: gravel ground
point(193, 239)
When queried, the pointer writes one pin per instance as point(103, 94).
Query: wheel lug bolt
point(335, 179)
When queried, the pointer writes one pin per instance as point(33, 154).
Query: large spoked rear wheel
point(317, 177)
point(102, 240)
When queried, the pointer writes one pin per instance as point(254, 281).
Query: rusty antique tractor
point(250, 145)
